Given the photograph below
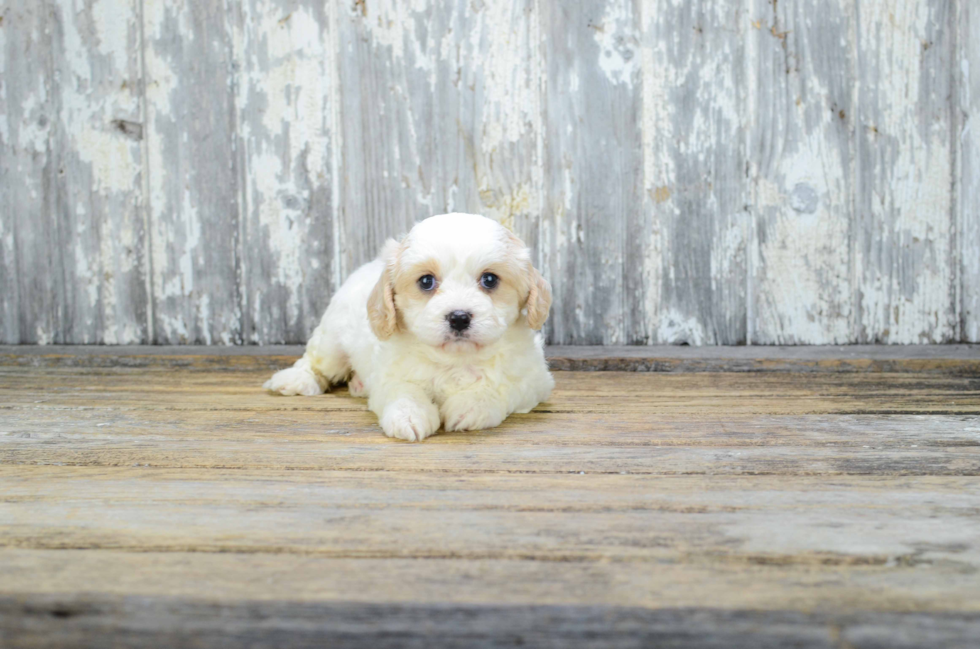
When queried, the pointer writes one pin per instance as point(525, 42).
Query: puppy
point(440, 330)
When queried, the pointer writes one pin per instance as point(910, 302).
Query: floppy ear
point(381, 303)
point(538, 299)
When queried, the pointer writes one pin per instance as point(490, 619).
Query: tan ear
point(538, 299)
point(381, 303)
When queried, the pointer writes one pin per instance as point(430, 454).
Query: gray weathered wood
point(592, 166)
point(195, 184)
point(439, 113)
point(743, 171)
point(933, 359)
point(801, 112)
point(905, 287)
point(287, 97)
point(171, 622)
point(71, 257)
point(695, 184)
point(966, 65)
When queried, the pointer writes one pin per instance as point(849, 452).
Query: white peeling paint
point(616, 35)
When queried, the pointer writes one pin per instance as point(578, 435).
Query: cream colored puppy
point(440, 330)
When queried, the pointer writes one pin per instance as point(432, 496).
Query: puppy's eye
point(489, 281)
point(427, 282)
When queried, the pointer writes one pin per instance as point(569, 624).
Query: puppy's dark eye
point(427, 282)
point(489, 281)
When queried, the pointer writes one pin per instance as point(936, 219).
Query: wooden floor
point(167, 501)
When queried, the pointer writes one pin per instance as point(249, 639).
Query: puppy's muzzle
point(459, 321)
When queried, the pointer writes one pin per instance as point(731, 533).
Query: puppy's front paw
point(462, 412)
point(410, 420)
point(356, 387)
point(294, 380)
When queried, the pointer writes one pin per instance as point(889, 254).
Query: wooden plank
point(32, 301)
point(177, 622)
point(938, 359)
point(696, 191)
point(681, 393)
point(803, 64)
point(155, 493)
point(440, 113)
point(905, 285)
point(966, 65)
point(195, 187)
point(920, 523)
point(98, 144)
point(287, 98)
point(72, 258)
point(659, 424)
point(592, 162)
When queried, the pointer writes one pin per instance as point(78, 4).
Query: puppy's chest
point(457, 378)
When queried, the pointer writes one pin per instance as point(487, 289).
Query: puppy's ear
point(381, 303)
point(538, 299)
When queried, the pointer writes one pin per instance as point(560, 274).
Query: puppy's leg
point(475, 409)
point(404, 411)
point(323, 364)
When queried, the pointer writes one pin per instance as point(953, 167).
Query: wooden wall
point(709, 172)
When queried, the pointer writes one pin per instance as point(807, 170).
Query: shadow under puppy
point(441, 329)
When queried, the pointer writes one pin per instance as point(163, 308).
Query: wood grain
point(696, 193)
point(803, 107)
point(905, 288)
point(761, 507)
point(287, 99)
point(168, 621)
point(593, 161)
point(795, 172)
point(966, 70)
point(195, 185)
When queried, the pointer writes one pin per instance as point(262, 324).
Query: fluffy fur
point(393, 343)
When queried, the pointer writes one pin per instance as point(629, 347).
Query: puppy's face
point(457, 282)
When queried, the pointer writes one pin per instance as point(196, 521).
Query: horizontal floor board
point(664, 358)
point(165, 622)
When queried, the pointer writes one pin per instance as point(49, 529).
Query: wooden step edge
point(943, 359)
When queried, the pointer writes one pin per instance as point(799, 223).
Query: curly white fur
point(392, 341)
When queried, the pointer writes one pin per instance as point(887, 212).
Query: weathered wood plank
point(905, 288)
point(31, 621)
point(33, 266)
point(636, 492)
point(288, 99)
point(98, 190)
point(804, 68)
point(195, 177)
point(696, 191)
point(71, 257)
point(592, 165)
point(440, 113)
point(938, 359)
point(919, 523)
point(966, 66)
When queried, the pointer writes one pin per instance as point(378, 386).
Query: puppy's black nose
point(459, 320)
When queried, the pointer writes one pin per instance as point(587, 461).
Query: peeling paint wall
point(729, 172)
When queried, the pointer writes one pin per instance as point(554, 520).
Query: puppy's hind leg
point(323, 365)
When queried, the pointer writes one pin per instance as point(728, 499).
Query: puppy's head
point(457, 282)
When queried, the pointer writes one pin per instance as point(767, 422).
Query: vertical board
point(967, 70)
point(72, 164)
point(32, 299)
point(99, 197)
point(801, 133)
point(440, 113)
point(287, 99)
point(194, 180)
point(593, 165)
point(905, 285)
point(696, 191)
